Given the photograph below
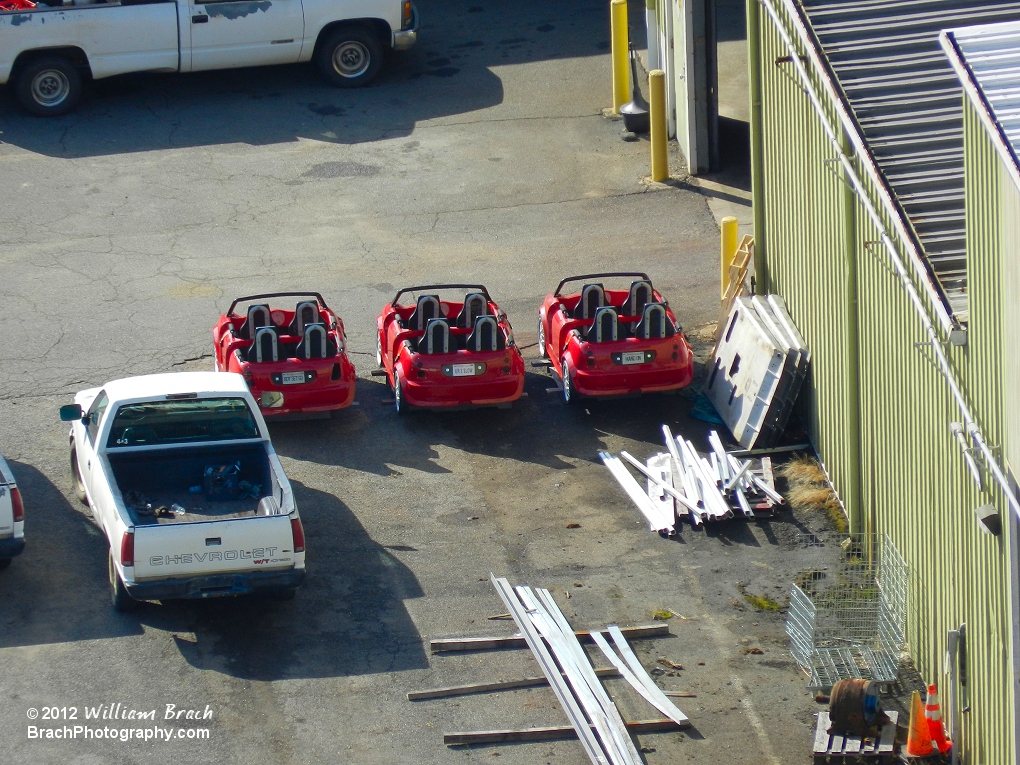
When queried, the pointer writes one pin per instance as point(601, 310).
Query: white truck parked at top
point(47, 52)
point(181, 476)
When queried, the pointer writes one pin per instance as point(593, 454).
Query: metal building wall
point(914, 484)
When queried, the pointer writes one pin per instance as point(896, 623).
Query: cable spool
point(854, 708)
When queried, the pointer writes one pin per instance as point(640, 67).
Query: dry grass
point(810, 490)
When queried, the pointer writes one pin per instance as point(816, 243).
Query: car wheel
point(350, 57)
point(569, 394)
point(119, 597)
point(378, 350)
point(76, 482)
point(48, 86)
point(541, 339)
point(398, 393)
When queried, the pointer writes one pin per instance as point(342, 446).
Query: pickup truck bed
point(159, 479)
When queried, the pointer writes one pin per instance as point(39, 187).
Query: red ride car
point(446, 353)
point(294, 359)
point(613, 342)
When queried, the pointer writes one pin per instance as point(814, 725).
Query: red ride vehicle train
point(613, 342)
point(294, 359)
point(448, 353)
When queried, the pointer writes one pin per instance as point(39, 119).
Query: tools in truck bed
point(704, 488)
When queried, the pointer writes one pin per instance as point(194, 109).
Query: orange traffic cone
point(933, 712)
point(919, 743)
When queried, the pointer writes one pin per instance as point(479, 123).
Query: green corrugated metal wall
point(913, 481)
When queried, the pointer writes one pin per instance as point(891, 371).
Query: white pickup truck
point(48, 51)
point(181, 476)
point(12, 516)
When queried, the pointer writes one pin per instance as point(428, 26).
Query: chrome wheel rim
point(50, 87)
point(351, 59)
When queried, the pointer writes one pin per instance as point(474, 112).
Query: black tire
point(48, 86)
point(350, 57)
point(398, 393)
point(119, 597)
point(4, 563)
point(285, 595)
point(541, 339)
point(76, 483)
point(569, 394)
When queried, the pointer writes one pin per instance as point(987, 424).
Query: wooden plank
point(852, 745)
point(822, 733)
point(551, 733)
point(885, 744)
point(445, 645)
point(836, 744)
point(502, 685)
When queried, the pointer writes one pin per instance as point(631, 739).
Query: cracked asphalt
point(482, 155)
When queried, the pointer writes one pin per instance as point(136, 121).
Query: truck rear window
point(175, 422)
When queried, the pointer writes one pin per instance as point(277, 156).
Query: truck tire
point(350, 57)
point(48, 86)
point(4, 563)
point(76, 482)
point(119, 597)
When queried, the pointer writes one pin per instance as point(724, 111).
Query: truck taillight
point(17, 506)
point(408, 15)
point(299, 534)
point(127, 549)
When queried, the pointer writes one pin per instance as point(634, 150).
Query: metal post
point(620, 54)
point(728, 229)
point(657, 117)
point(761, 282)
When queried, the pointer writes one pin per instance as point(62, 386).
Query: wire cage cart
point(849, 622)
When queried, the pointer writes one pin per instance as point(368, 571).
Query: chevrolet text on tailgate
point(47, 51)
point(181, 476)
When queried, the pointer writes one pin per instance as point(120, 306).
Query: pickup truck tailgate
point(211, 547)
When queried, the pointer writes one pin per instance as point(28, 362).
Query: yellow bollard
point(657, 119)
point(727, 251)
point(621, 54)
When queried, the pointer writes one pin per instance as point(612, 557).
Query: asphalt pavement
point(482, 155)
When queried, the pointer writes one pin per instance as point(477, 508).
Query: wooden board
point(502, 685)
point(551, 733)
point(852, 746)
point(442, 645)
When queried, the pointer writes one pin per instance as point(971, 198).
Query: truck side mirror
point(70, 412)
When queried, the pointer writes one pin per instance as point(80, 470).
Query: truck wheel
point(76, 482)
point(350, 57)
point(119, 596)
point(48, 86)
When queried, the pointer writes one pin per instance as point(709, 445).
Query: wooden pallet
point(839, 748)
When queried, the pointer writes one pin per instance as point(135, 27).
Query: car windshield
point(182, 421)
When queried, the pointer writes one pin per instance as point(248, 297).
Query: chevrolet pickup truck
point(181, 476)
point(47, 52)
point(12, 517)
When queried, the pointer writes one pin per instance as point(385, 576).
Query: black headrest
point(605, 328)
point(436, 338)
point(265, 348)
point(640, 295)
point(593, 297)
point(426, 310)
point(258, 316)
point(475, 305)
point(655, 323)
point(486, 335)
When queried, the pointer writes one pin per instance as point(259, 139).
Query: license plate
point(292, 378)
point(463, 370)
point(632, 357)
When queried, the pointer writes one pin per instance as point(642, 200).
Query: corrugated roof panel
point(908, 102)
point(992, 54)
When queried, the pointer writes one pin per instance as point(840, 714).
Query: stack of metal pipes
point(682, 482)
